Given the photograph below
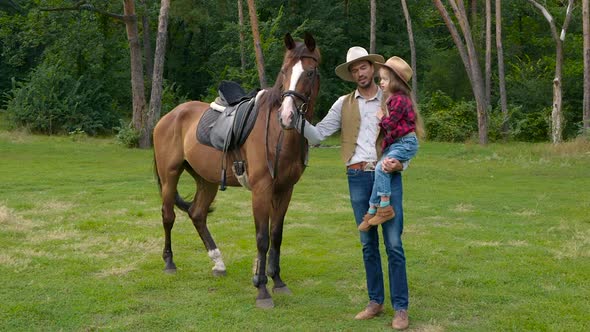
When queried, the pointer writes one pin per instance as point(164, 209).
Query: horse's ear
point(309, 41)
point(289, 42)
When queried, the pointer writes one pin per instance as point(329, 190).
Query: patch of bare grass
point(485, 244)
point(16, 136)
point(578, 147)
point(462, 208)
point(115, 272)
point(59, 234)
point(577, 246)
point(12, 222)
point(518, 243)
point(428, 328)
point(526, 213)
point(56, 206)
point(14, 261)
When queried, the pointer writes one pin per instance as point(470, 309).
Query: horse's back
point(182, 117)
point(170, 131)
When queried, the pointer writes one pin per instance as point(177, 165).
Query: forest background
point(68, 70)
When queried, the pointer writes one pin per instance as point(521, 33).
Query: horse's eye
point(309, 73)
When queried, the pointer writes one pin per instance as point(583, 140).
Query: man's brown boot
point(400, 320)
point(372, 310)
point(383, 214)
point(364, 225)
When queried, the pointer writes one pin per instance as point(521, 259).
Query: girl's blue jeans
point(403, 149)
point(360, 184)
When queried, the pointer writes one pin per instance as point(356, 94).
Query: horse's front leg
point(280, 203)
point(261, 209)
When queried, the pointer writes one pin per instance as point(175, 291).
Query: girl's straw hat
point(400, 68)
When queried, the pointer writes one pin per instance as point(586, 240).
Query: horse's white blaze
point(288, 104)
point(215, 256)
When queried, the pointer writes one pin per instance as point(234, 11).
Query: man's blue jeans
point(360, 184)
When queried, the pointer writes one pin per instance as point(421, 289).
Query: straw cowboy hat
point(355, 53)
point(399, 67)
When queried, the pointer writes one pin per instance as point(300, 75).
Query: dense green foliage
point(203, 48)
point(52, 101)
point(496, 239)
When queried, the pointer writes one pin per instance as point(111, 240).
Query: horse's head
point(300, 80)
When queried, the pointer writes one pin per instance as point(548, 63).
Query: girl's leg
point(380, 197)
point(374, 202)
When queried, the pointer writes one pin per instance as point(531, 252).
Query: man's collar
point(378, 95)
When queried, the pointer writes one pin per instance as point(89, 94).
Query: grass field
point(497, 238)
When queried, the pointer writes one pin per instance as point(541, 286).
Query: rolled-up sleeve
point(327, 126)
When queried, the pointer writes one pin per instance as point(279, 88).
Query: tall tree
point(257, 46)
point(557, 112)
point(373, 24)
point(488, 65)
point(586, 36)
point(137, 83)
point(242, 35)
point(157, 84)
point(501, 74)
point(412, 49)
point(473, 4)
point(469, 56)
point(147, 45)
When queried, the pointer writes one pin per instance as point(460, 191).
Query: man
point(355, 116)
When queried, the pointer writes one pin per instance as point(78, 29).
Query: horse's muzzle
point(286, 119)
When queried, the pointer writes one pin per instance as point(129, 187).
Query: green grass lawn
point(497, 238)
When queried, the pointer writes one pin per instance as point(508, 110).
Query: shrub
point(531, 127)
point(54, 102)
point(448, 121)
point(127, 135)
point(171, 97)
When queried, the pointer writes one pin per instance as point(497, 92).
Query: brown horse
point(274, 155)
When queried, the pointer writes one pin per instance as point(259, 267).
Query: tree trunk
point(501, 75)
point(488, 78)
point(346, 10)
point(556, 111)
point(147, 45)
point(473, 12)
point(412, 50)
point(586, 34)
point(373, 26)
point(157, 85)
point(470, 61)
point(257, 46)
point(242, 35)
point(137, 84)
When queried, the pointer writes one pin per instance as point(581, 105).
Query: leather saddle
point(228, 122)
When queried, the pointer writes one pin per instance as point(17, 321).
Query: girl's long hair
point(396, 85)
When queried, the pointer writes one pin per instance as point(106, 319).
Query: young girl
point(400, 125)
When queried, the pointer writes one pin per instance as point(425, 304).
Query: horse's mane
point(274, 94)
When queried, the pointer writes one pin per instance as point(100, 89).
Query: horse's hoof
point(265, 303)
point(170, 271)
point(282, 290)
point(219, 273)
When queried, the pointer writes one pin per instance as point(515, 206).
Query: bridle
point(301, 109)
point(312, 74)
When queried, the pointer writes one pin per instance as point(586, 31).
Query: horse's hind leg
point(206, 193)
point(169, 183)
point(280, 203)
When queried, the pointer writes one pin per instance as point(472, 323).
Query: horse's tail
point(178, 201)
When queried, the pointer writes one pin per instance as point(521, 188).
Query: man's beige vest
point(351, 125)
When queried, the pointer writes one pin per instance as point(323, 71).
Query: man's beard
point(365, 85)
